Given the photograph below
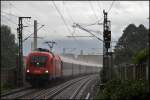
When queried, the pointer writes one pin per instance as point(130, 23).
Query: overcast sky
point(121, 14)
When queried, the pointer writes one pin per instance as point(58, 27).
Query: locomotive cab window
point(38, 61)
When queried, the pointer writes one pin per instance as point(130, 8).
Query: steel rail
point(56, 90)
point(74, 95)
point(42, 94)
point(19, 94)
point(15, 91)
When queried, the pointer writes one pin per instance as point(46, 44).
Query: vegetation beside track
point(122, 90)
point(6, 87)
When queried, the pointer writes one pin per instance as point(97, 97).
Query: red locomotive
point(42, 66)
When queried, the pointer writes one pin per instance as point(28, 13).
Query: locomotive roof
point(42, 50)
point(37, 52)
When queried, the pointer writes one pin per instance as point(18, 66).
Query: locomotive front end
point(37, 68)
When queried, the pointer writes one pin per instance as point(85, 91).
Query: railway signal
point(106, 32)
point(107, 38)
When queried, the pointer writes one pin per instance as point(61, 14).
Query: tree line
point(132, 46)
point(8, 48)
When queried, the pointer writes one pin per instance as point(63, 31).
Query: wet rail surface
point(74, 91)
point(51, 92)
point(14, 91)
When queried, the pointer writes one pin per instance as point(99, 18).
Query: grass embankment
point(124, 90)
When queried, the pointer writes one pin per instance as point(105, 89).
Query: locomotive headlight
point(28, 71)
point(46, 71)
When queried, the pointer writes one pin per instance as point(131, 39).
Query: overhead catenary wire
point(93, 10)
point(74, 29)
point(98, 19)
point(20, 11)
point(99, 6)
point(9, 20)
point(68, 12)
point(61, 16)
point(10, 14)
point(79, 26)
point(100, 9)
point(32, 34)
point(15, 7)
point(96, 23)
point(13, 23)
point(65, 23)
point(111, 6)
point(85, 25)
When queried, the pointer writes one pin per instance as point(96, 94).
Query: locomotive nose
point(38, 60)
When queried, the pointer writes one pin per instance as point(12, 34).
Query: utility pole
point(35, 34)
point(20, 58)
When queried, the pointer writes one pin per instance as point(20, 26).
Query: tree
point(141, 56)
point(132, 41)
point(8, 48)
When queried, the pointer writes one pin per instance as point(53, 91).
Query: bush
point(124, 90)
point(141, 56)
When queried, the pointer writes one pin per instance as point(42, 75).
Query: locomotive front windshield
point(38, 61)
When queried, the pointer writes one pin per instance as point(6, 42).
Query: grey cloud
point(121, 14)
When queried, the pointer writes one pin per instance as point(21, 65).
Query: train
point(42, 65)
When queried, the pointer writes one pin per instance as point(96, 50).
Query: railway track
point(14, 91)
point(53, 92)
point(75, 91)
point(17, 93)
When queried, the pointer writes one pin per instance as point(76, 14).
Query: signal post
point(106, 72)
